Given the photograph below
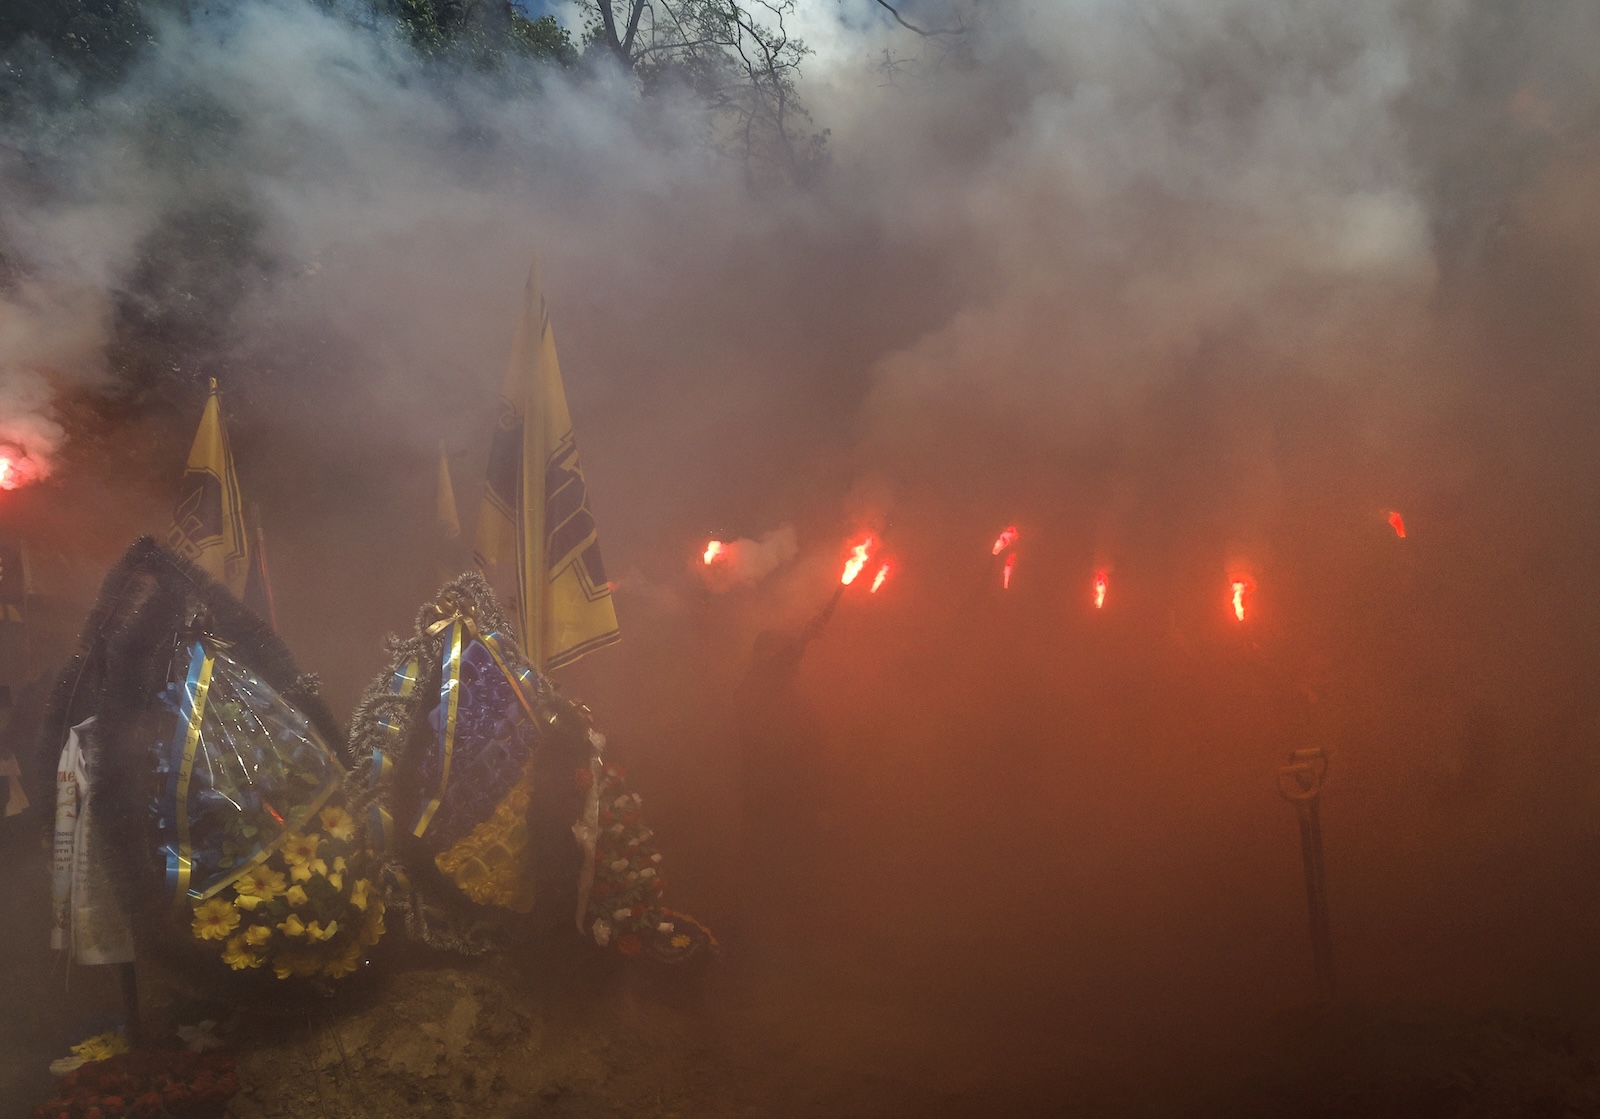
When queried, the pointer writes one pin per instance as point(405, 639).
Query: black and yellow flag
point(208, 522)
point(535, 512)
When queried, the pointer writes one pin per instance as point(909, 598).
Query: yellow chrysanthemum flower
point(248, 902)
point(336, 880)
point(215, 919)
point(338, 823)
point(100, 1047)
point(297, 896)
point(680, 941)
point(260, 881)
point(257, 935)
point(358, 893)
point(302, 872)
point(372, 929)
point(341, 966)
point(316, 932)
point(238, 955)
point(301, 849)
point(338, 864)
point(293, 926)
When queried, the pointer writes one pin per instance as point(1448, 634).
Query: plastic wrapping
point(241, 772)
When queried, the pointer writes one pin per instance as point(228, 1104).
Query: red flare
point(857, 560)
point(1005, 574)
point(1100, 584)
point(1007, 538)
point(714, 549)
point(17, 469)
point(1398, 523)
point(1239, 588)
point(877, 580)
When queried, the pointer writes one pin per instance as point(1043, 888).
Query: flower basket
point(146, 1084)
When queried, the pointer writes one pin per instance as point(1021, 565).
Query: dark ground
point(788, 1023)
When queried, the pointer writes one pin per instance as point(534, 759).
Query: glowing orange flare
point(714, 549)
point(1238, 600)
point(1007, 538)
point(1100, 584)
point(1005, 574)
point(877, 580)
point(1398, 523)
point(857, 560)
point(8, 479)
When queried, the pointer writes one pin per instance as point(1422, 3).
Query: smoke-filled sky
point(1183, 290)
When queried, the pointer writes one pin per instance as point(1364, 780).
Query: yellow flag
point(535, 511)
point(208, 522)
point(449, 522)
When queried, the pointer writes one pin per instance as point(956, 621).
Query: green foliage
point(543, 38)
point(96, 40)
point(485, 34)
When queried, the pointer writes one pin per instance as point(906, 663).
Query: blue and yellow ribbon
point(450, 693)
point(458, 620)
point(196, 687)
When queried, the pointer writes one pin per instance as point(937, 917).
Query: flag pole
point(1300, 783)
point(259, 563)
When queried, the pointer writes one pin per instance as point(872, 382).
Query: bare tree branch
point(608, 22)
point(909, 26)
point(738, 55)
point(633, 27)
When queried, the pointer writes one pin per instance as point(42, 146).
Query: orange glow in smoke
point(1007, 538)
point(714, 549)
point(1100, 585)
point(1239, 587)
point(8, 477)
point(1005, 574)
point(857, 560)
point(1398, 523)
point(877, 580)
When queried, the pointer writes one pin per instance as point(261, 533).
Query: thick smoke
point(1182, 290)
point(744, 562)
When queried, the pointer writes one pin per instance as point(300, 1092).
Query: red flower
point(629, 944)
point(583, 778)
point(605, 816)
point(113, 1104)
point(658, 885)
point(148, 1106)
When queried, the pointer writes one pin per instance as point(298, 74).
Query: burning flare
point(1100, 584)
point(1239, 587)
point(857, 560)
point(1007, 538)
point(714, 549)
point(1005, 573)
point(877, 580)
point(1396, 521)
